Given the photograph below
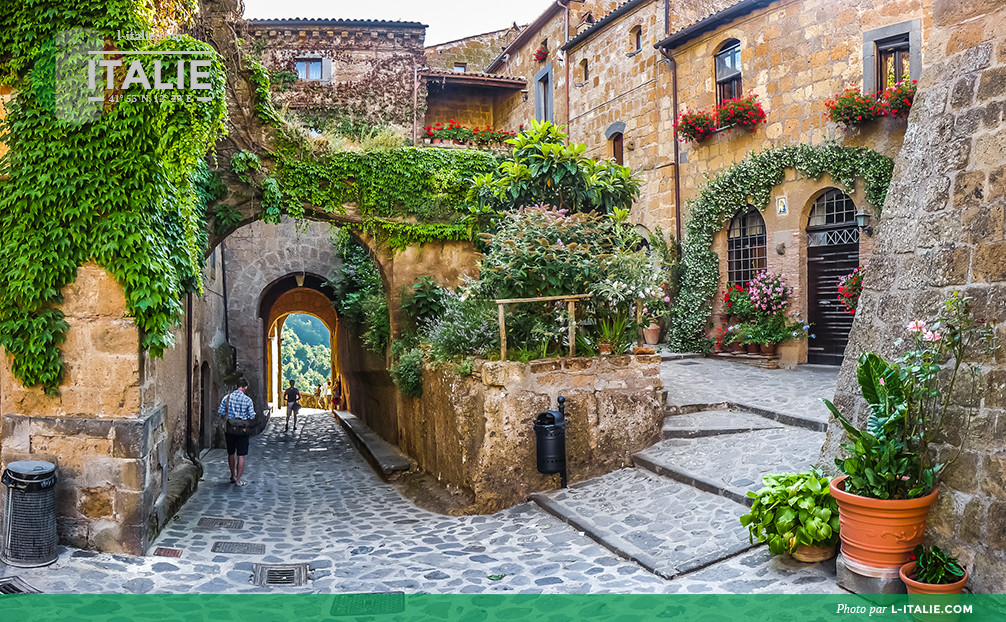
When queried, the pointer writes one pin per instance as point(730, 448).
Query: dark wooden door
point(830, 321)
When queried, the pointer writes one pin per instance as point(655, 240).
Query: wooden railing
point(570, 301)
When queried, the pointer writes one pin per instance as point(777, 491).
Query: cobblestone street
point(668, 525)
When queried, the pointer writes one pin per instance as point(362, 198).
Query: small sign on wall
point(780, 206)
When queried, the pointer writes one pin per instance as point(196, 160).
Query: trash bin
point(29, 533)
point(550, 436)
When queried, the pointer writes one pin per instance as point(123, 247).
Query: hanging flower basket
point(695, 126)
point(896, 101)
point(540, 54)
point(745, 112)
point(852, 108)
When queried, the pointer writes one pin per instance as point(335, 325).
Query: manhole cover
point(367, 604)
point(14, 585)
point(687, 363)
point(221, 523)
point(265, 575)
point(163, 552)
point(245, 548)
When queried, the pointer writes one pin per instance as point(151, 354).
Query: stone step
point(382, 455)
point(813, 423)
point(665, 526)
point(732, 464)
point(715, 423)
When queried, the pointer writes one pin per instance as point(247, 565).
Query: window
point(309, 69)
point(636, 39)
point(892, 61)
point(745, 246)
point(832, 220)
point(584, 71)
point(728, 71)
point(617, 148)
point(460, 67)
point(543, 94)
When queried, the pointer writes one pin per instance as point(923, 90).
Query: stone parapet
point(475, 432)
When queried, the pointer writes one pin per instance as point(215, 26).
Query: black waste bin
point(550, 436)
point(29, 534)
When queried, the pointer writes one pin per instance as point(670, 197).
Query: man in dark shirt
point(292, 397)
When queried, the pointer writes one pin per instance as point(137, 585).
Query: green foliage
point(468, 326)
point(121, 187)
point(307, 364)
point(282, 80)
point(359, 292)
point(793, 509)
point(935, 566)
point(264, 109)
point(244, 162)
point(407, 373)
point(424, 302)
point(617, 331)
point(750, 182)
point(545, 170)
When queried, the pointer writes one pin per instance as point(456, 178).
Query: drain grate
point(368, 604)
point(267, 575)
point(164, 552)
point(244, 548)
point(14, 585)
point(687, 363)
point(221, 523)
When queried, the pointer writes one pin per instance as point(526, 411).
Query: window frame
point(730, 86)
point(617, 141)
point(899, 50)
point(636, 39)
point(747, 251)
point(463, 67)
point(308, 62)
point(878, 37)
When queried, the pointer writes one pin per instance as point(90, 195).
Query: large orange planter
point(907, 573)
point(880, 532)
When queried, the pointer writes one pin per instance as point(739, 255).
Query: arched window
point(745, 246)
point(728, 71)
point(617, 148)
point(832, 220)
point(584, 71)
point(636, 39)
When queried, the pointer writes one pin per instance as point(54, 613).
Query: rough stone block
point(990, 263)
point(993, 83)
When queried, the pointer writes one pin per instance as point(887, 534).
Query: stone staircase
point(704, 465)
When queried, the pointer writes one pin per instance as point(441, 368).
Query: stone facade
point(475, 52)
point(476, 432)
point(941, 231)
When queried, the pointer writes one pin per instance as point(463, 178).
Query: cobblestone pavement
point(311, 498)
point(795, 392)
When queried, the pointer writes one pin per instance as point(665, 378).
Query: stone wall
point(476, 432)
point(476, 51)
point(942, 230)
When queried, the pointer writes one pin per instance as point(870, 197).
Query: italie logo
point(87, 73)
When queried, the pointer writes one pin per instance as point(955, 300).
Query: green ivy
point(751, 182)
point(121, 187)
point(264, 109)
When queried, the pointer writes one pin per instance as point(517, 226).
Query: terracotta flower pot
point(753, 348)
point(880, 532)
point(436, 141)
point(804, 553)
point(736, 348)
point(768, 349)
point(651, 334)
point(907, 573)
point(604, 348)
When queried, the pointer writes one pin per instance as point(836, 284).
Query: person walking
point(326, 395)
point(337, 395)
point(292, 397)
point(237, 405)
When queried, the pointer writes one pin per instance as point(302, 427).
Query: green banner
point(502, 608)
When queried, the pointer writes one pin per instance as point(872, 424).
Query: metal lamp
point(863, 220)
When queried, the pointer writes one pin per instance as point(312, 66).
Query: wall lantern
point(300, 279)
point(863, 220)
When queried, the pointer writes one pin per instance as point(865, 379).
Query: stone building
point(470, 54)
point(942, 231)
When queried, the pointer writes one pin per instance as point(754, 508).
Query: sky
point(447, 19)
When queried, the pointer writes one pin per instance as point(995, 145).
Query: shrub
point(737, 302)
point(407, 373)
point(793, 509)
point(852, 108)
point(424, 302)
point(743, 112)
point(468, 326)
point(359, 292)
point(695, 126)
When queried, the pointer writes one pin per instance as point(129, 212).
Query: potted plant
point(745, 112)
point(655, 310)
point(852, 108)
point(896, 101)
point(892, 470)
point(734, 338)
point(932, 571)
point(737, 304)
point(541, 54)
point(850, 287)
point(695, 126)
point(795, 514)
point(613, 334)
point(771, 330)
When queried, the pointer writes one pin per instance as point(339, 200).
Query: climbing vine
point(751, 182)
point(264, 109)
point(120, 182)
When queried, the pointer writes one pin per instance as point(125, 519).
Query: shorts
point(237, 444)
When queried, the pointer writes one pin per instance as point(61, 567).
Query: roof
point(473, 79)
point(527, 33)
point(601, 23)
point(711, 22)
point(322, 21)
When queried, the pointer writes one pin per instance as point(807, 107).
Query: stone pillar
point(109, 452)
point(942, 229)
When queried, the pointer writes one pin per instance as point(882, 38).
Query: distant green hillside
point(307, 358)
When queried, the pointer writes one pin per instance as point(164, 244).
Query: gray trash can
point(29, 534)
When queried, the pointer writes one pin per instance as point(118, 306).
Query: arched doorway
point(832, 252)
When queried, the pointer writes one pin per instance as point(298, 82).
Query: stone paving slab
point(796, 393)
point(732, 464)
point(760, 572)
point(666, 526)
point(714, 423)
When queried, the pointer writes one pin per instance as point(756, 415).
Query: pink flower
point(932, 335)
point(882, 383)
point(667, 298)
point(916, 326)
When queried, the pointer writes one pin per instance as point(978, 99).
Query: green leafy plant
point(751, 182)
point(616, 330)
point(936, 567)
point(793, 509)
point(468, 326)
point(407, 373)
point(737, 302)
point(359, 292)
point(424, 302)
point(259, 77)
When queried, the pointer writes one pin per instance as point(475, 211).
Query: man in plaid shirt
point(237, 405)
